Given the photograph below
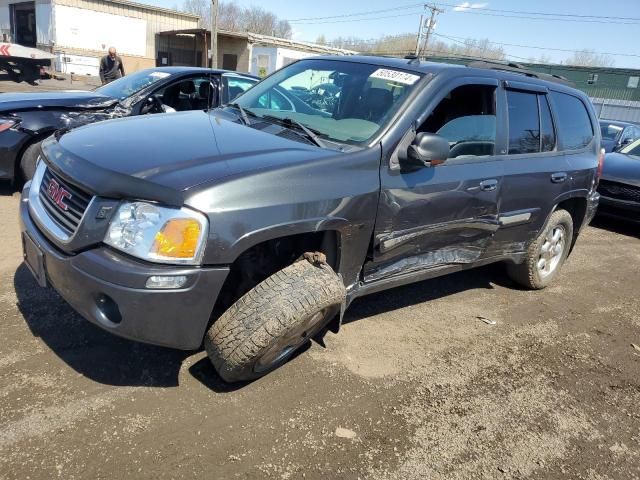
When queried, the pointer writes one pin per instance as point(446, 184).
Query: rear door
point(445, 215)
point(538, 172)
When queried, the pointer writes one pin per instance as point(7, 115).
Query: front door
point(445, 215)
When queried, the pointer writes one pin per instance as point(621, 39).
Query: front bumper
point(96, 280)
point(621, 209)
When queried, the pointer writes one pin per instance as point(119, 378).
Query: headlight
point(158, 234)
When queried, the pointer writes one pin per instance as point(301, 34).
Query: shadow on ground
point(111, 360)
point(615, 225)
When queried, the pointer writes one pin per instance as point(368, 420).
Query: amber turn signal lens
point(177, 239)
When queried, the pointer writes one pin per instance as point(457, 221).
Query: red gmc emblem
point(58, 194)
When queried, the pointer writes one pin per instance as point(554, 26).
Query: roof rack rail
point(520, 69)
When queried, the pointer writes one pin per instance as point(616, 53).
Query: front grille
point(78, 201)
point(619, 191)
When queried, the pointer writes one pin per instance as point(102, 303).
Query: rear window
point(574, 125)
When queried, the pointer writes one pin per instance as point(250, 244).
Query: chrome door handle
point(559, 177)
point(488, 185)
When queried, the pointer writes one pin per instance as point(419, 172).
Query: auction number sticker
point(395, 76)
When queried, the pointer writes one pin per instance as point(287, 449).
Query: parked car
point(252, 229)
point(28, 118)
point(620, 184)
point(617, 135)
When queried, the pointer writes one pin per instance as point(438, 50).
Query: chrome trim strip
point(513, 219)
point(39, 214)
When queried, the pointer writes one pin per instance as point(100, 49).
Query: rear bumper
point(621, 209)
point(593, 201)
point(171, 318)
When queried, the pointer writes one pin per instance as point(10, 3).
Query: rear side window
point(524, 123)
point(574, 124)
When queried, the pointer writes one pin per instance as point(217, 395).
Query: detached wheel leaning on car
point(28, 160)
point(263, 329)
point(546, 255)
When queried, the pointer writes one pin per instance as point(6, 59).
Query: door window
point(466, 117)
point(524, 122)
point(195, 93)
point(236, 86)
point(546, 124)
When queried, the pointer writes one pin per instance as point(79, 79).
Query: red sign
point(4, 50)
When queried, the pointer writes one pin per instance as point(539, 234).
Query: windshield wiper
point(243, 113)
point(292, 122)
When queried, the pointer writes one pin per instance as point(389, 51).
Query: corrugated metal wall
point(622, 110)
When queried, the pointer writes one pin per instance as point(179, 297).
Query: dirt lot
point(423, 385)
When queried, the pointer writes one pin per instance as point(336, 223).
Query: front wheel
point(263, 329)
point(29, 160)
point(546, 255)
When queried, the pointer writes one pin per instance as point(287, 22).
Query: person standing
point(111, 67)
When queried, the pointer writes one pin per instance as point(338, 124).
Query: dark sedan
point(620, 184)
point(28, 118)
point(617, 135)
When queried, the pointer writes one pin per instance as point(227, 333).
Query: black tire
point(265, 327)
point(530, 272)
point(28, 161)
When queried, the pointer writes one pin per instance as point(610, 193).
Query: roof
point(174, 70)
point(153, 8)
point(617, 123)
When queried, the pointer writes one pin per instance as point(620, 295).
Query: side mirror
point(427, 150)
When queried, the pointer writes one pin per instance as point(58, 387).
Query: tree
point(321, 40)
point(235, 18)
point(589, 58)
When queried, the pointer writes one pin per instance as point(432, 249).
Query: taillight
point(600, 167)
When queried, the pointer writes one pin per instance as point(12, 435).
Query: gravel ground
point(415, 386)
point(418, 384)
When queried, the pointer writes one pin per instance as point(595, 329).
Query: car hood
point(160, 157)
point(11, 102)
point(622, 168)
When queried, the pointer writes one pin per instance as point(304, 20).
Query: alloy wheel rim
point(551, 251)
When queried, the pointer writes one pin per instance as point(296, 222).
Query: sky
point(600, 34)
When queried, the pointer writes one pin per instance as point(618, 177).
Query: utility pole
point(419, 37)
point(431, 24)
point(214, 34)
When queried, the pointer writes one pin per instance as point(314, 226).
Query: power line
point(369, 12)
point(522, 14)
point(573, 15)
point(546, 19)
point(357, 19)
point(541, 48)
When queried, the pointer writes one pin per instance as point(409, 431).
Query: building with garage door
point(79, 32)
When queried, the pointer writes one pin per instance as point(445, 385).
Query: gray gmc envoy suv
point(250, 228)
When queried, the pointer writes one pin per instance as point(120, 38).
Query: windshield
point(342, 101)
point(128, 85)
point(632, 149)
point(610, 131)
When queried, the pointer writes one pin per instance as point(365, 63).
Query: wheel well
point(577, 207)
point(264, 259)
point(34, 139)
